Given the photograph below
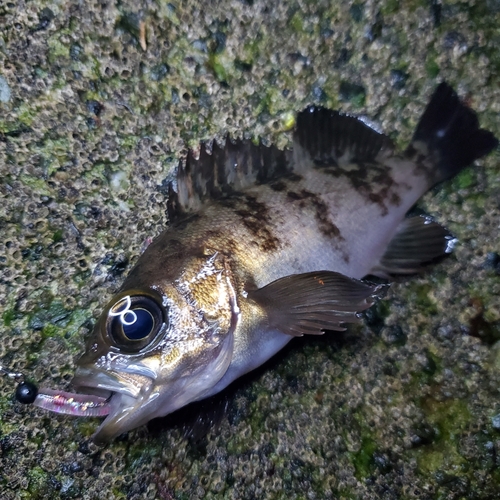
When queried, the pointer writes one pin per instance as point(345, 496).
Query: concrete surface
point(98, 100)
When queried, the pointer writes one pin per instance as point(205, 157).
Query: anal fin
point(419, 241)
point(310, 303)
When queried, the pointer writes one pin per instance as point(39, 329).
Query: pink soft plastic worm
point(68, 403)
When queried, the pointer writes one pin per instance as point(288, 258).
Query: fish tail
point(448, 136)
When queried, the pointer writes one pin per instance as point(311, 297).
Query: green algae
point(466, 179)
point(353, 93)
point(450, 420)
point(37, 478)
point(54, 320)
point(432, 66)
point(421, 295)
point(58, 236)
point(136, 456)
point(58, 49)
point(10, 315)
point(390, 7)
point(362, 460)
point(221, 66)
point(48, 310)
point(297, 22)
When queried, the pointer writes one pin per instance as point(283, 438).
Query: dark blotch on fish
point(255, 217)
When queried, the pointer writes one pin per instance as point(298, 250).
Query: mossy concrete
point(97, 103)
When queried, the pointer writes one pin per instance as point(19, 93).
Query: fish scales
point(317, 221)
point(264, 245)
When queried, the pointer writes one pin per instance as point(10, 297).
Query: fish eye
point(137, 324)
point(134, 321)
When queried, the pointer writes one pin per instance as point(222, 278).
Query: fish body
point(264, 245)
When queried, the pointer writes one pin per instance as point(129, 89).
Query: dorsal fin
point(221, 170)
point(321, 137)
point(331, 138)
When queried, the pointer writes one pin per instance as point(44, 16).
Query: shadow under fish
point(264, 245)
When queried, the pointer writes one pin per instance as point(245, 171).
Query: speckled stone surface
point(98, 100)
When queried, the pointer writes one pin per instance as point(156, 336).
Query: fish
point(264, 245)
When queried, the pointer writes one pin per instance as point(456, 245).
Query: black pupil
point(137, 324)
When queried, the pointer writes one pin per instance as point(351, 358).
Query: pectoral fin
point(418, 241)
point(310, 303)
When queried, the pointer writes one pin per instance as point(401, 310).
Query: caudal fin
point(448, 135)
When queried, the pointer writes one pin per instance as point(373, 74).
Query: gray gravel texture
point(99, 100)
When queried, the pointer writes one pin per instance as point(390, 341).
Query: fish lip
point(138, 394)
point(121, 398)
point(101, 381)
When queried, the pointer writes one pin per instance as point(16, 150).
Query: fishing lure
point(68, 403)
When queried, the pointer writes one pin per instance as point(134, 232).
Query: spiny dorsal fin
point(321, 137)
point(221, 170)
point(331, 138)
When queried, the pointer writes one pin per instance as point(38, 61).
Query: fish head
point(159, 346)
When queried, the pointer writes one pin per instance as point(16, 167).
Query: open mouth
point(93, 401)
point(114, 406)
point(102, 395)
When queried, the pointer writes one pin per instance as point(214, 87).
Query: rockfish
point(264, 245)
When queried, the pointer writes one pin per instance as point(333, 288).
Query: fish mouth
point(127, 396)
point(135, 393)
